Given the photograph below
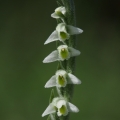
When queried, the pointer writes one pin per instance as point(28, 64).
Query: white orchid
point(61, 106)
point(61, 79)
point(63, 32)
point(62, 53)
point(60, 12)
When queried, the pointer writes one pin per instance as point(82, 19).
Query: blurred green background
point(24, 27)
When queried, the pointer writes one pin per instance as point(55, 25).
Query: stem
point(68, 65)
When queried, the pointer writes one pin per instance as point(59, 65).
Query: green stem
point(68, 65)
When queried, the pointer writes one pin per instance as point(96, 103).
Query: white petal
point(54, 15)
point(73, 79)
point(74, 52)
point(50, 109)
point(62, 32)
point(51, 82)
point(74, 30)
point(62, 73)
point(60, 103)
point(61, 27)
point(72, 108)
point(51, 57)
point(52, 37)
point(63, 10)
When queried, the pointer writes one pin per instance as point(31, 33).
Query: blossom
point(61, 106)
point(62, 53)
point(60, 12)
point(61, 79)
point(63, 32)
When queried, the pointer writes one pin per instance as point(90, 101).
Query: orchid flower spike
point(62, 53)
point(61, 79)
point(60, 12)
point(63, 32)
point(61, 106)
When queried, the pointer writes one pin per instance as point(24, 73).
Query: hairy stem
point(68, 65)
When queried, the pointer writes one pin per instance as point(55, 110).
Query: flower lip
point(61, 80)
point(63, 52)
point(62, 108)
point(63, 36)
point(62, 31)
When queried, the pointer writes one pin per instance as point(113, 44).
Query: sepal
point(49, 110)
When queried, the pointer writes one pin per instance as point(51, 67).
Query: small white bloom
point(61, 106)
point(62, 53)
point(63, 32)
point(60, 12)
point(61, 79)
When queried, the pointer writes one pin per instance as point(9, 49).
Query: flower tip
point(45, 42)
point(42, 115)
point(80, 30)
point(45, 61)
point(79, 52)
point(45, 86)
point(77, 110)
point(79, 82)
point(52, 15)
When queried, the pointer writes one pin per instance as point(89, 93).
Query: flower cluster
point(63, 32)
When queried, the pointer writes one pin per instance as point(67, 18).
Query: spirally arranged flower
point(62, 53)
point(61, 106)
point(61, 79)
point(60, 12)
point(63, 33)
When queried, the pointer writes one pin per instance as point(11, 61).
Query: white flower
point(63, 32)
point(63, 52)
point(61, 106)
point(59, 12)
point(61, 78)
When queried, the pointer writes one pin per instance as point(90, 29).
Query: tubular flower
point(61, 79)
point(61, 106)
point(60, 12)
point(62, 53)
point(63, 32)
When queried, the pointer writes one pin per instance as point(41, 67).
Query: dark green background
point(24, 27)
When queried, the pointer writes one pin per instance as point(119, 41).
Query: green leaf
point(60, 66)
point(59, 3)
point(51, 96)
point(49, 118)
